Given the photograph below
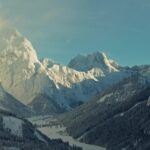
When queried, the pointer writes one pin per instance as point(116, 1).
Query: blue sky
point(61, 29)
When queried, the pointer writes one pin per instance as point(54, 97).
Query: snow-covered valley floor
point(58, 132)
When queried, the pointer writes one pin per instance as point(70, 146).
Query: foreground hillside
point(117, 118)
point(18, 134)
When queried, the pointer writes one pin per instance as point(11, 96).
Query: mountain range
point(46, 87)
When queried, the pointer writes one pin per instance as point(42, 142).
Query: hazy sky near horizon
point(61, 29)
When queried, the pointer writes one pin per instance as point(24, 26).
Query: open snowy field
point(55, 132)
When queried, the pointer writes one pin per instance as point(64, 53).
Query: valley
point(52, 128)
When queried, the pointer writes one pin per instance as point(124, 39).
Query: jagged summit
point(94, 60)
point(48, 63)
point(13, 45)
point(21, 73)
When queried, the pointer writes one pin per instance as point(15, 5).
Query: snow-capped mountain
point(95, 60)
point(44, 84)
point(76, 87)
point(65, 76)
point(21, 73)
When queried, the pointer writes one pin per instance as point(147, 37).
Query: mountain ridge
point(24, 76)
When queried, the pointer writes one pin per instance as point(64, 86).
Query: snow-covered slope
point(144, 70)
point(9, 103)
point(14, 125)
